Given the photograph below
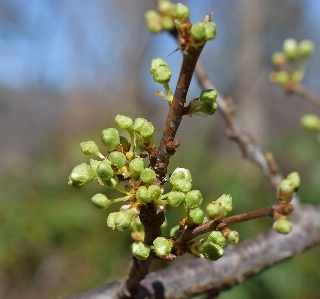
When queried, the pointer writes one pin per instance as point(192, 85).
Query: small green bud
point(101, 201)
point(110, 137)
point(110, 220)
point(80, 176)
point(143, 127)
point(281, 78)
point(217, 238)
point(196, 215)
point(181, 173)
point(143, 195)
point(148, 175)
point(90, 148)
point(282, 225)
point(124, 122)
point(210, 29)
point(117, 159)
point(140, 250)
point(208, 108)
point(290, 48)
point(182, 185)
point(104, 170)
point(162, 74)
point(306, 48)
point(193, 199)
point(181, 11)
point(166, 7)
point(226, 201)
point(123, 219)
point(167, 23)
point(278, 59)
point(111, 183)
point(310, 122)
point(155, 191)
point(294, 177)
point(161, 247)
point(212, 251)
point(198, 31)
point(233, 237)
point(174, 232)
point(155, 63)
point(153, 21)
point(176, 198)
point(297, 75)
point(213, 210)
point(208, 95)
point(136, 166)
point(94, 164)
point(286, 190)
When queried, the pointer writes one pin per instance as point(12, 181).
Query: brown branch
point(240, 262)
point(303, 91)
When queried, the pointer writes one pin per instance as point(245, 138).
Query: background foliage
point(66, 72)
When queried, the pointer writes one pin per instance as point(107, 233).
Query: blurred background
point(67, 68)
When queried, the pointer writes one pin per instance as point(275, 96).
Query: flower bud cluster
point(205, 104)
point(290, 64)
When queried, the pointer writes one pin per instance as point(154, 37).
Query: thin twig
point(303, 91)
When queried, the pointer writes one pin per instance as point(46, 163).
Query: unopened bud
point(212, 251)
point(181, 11)
point(147, 175)
point(196, 215)
point(161, 247)
point(90, 148)
point(162, 74)
point(208, 95)
point(217, 238)
point(143, 195)
point(101, 201)
point(226, 201)
point(193, 199)
point(282, 225)
point(198, 31)
point(176, 198)
point(140, 250)
point(286, 190)
point(278, 59)
point(136, 166)
point(143, 127)
point(81, 175)
point(306, 48)
point(213, 209)
point(124, 122)
point(155, 191)
point(104, 170)
point(290, 48)
point(210, 30)
point(294, 177)
point(153, 21)
point(110, 137)
point(310, 122)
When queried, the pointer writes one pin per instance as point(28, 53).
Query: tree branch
point(240, 262)
point(304, 92)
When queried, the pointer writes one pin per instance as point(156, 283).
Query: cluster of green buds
point(162, 19)
point(311, 122)
point(205, 104)
point(122, 169)
point(291, 63)
point(287, 188)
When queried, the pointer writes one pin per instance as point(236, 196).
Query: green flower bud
point(155, 191)
point(193, 199)
point(310, 122)
point(117, 159)
point(208, 95)
point(104, 170)
point(143, 127)
point(124, 122)
point(80, 176)
point(282, 226)
point(143, 195)
point(174, 232)
point(212, 251)
point(176, 198)
point(226, 201)
point(110, 220)
point(94, 164)
point(111, 183)
point(161, 247)
point(153, 21)
point(196, 215)
point(110, 137)
point(210, 29)
point(213, 210)
point(166, 7)
point(306, 48)
point(217, 238)
point(167, 23)
point(198, 31)
point(90, 148)
point(181, 11)
point(162, 74)
point(101, 201)
point(281, 78)
point(290, 48)
point(182, 185)
point(136, 166)
point(233, 237)
point(208, 108)
point(278, 59)
point(181, 173)
point(155, 63)
point(294, 177)
point(140, 250)
point(123, 219)
point(148, 175)
point(297, 76)
point(286, 190)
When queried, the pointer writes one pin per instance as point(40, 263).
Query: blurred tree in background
point(67, 69)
